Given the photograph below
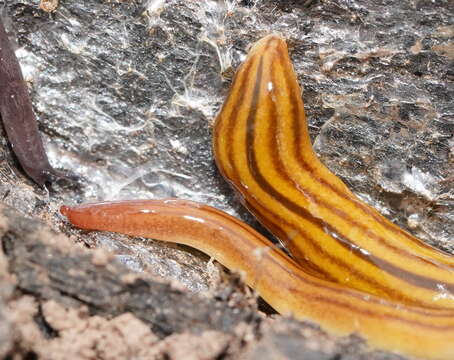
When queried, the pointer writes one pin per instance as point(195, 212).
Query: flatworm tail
point(411, 330)
point(263, 149)
point(18, 118)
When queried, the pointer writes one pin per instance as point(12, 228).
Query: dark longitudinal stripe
point(311, 170)
point(237, 106)
point(277, 253)
point(424, 282)
point(407, 276)
point(226, 104)
point(266, 186)
point(228, 124)
point(251, 232)
point(305, 279)
point(334, 300)
point(371, 280)
point(231, 119)
point(262, 213)
point(277, 163)
point(296, 129)
point(410, 277)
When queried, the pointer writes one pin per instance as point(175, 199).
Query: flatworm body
point(263, 149)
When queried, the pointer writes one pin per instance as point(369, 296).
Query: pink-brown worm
point(412, 330)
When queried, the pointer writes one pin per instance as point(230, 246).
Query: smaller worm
point(18, 118)
point(412, 330)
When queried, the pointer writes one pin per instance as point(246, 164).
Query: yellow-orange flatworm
point(262, 147)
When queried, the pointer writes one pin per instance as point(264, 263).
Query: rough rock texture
point(284, 339)
point(70, 302)
point(47, 266)
point(125, 93)
point(72, 292)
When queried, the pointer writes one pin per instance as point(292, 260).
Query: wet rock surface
point(125, 94)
